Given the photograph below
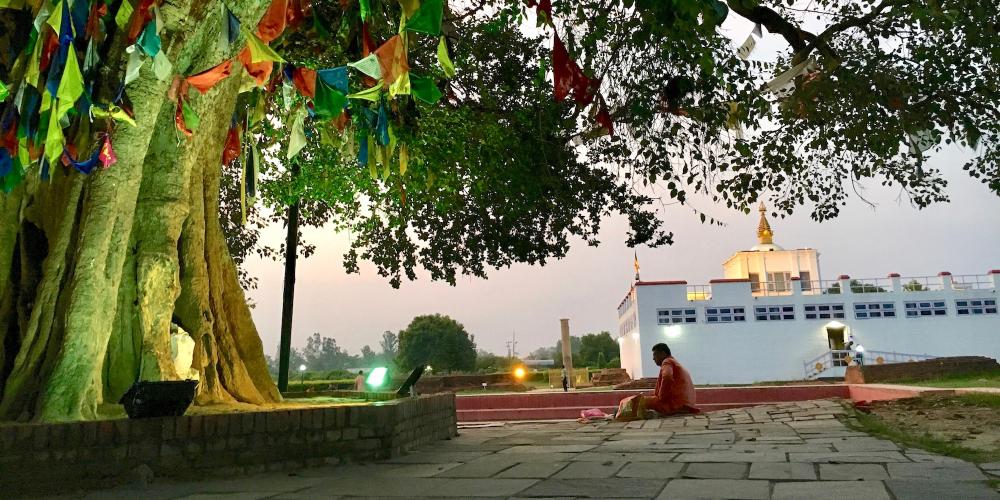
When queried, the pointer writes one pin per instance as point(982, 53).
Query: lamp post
point(302, 376)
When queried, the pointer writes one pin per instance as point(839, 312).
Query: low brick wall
point(52, 458)
point(919, 370)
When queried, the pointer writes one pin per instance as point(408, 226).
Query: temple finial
point(764, 232)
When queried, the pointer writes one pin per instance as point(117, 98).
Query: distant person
point(359, 381)
point(674, 392)
point(565, 381)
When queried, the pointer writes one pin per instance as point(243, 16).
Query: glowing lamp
point(519, 373)
point(302, 368)
point(377, 377)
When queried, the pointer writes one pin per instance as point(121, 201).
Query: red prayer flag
point(367, 44)
point(297, 11)
point(107, 156)
point(259, 71)
point(305, 80)
point(93, 26)
point(232, 149)
point(545, 6)
point(140, 17)
point(392, 58)
point(207, 79)
point(604, 118)
point(272, 25)
point(568, 77)
point(51, 45)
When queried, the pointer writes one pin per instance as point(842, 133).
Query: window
point(868, 310)
point(779, 282)
point(773, 313)
point(923, 309)
point(674, 316)
point(806, 279)
point(754, 282)
point(725, 314)
point(824, 311)
point(975, 306)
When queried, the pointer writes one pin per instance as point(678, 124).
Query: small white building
point(774, 317)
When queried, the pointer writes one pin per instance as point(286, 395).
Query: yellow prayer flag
point(260, 51)
point(444, 60)
point(70, 86)
point(368, 94)
point(404, 159)
point(409, 6)
point(401, 86)
point(124, 14)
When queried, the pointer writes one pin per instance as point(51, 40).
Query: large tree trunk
point(93, 270)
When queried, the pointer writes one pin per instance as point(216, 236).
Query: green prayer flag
point(425, 89)
point(4, 92)
point(259, 51)
point(427, 19)
point(71, 85)
point(191, 118)
point(444, 60)
point(297, 141)
point(329, 102)
point(124, 14)
point(366, 9)
point(369, 66)
point(371, 94)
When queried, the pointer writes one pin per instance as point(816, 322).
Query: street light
point(377, 377)
point(519, 373)
point(302, 376)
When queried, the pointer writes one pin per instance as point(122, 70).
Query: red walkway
point(560, 405)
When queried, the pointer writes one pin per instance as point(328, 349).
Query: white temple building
point(774, 317)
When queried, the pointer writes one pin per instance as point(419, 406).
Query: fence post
point(946, 281)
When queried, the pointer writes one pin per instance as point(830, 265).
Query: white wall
point(754, 351)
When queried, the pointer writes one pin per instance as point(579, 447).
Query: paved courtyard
point(785, 451)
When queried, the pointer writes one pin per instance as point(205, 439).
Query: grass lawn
point(930, 424)
point(984, 379)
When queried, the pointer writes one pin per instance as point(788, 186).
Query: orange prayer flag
point(392, 58)
point(272, 25)
point(261, 71)
point(142, 15)
point(231, 151)
point(207, 79)
point(305, 80)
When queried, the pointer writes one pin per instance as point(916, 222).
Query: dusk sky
point(962, 237)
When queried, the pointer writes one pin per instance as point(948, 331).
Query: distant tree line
point(593, 350)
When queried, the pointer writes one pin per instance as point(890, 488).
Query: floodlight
point(519, 372)
point(377, 377)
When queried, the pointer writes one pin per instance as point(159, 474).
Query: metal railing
point(817, 287)
point(922, 284)
point(699, 292)
point(842, 358)
point(972, 282)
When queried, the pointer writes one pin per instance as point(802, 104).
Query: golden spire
point(764, 232)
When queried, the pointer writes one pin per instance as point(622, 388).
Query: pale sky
point(962, 237)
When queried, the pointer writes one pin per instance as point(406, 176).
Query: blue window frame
point(974, 307)
point(869, 310)
point(824, 311)
point(774, 313)
point(729, 314)
point(677, 315)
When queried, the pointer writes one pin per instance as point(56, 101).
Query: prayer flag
point(260, 71)
point(425, 89)
point(231, 150)
point(785, 80)
point(604, 118)
point(185, 118)
point(444, 60)
point(382, 128)
point(366, 10)
point(124, 14)
point(86, 166)
point(367, 44)
point(335, 77)
point(305, 80)
point(758, 30)
point(567, 75)
point(392, 59)
point(71, 85)
point(371, 94)
point(369, 66)
point(363, 150)
point(162, 66)
point(329, 101)
point(273, 23)
point(231, 25)
point(259, 51)
point(140, 18)
point(544, 11)
point(4, 92)
point(427, 19)
point(108, 156)
point(135, 62)
point(6, 163)
point(747, 48)
point(54, 138)
point(404, 159)
point(207, 79)
point(409, 7)
point(297, 139)
point(401, 86)
point(149, 41)
point(112, 112)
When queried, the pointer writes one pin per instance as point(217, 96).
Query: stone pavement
point(784, 451)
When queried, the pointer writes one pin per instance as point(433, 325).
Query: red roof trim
point(994, 271)
point(648, 283)
point(944, 273)
point(843, 277)
point(893, 275)
point(730, 280)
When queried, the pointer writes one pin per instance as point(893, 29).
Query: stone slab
point(852, 472)
point(470, 488)
point(731, 456)
point(584, 470)
point(933, 470)
point(830, 490)
point(533, 470)
point(420, 470)
point(601, 456)
point(724, 470)
point(438, 457)
point(865, 444)
point(651, 470)
point(596, 488)
point(738, 489)
point(365, 486)
point(938, 490)
point(782, 471)
point(859, 457)
point(563, 448)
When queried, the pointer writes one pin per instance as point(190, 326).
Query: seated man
point(674, 391)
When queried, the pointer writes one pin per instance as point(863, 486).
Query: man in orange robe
point(674, 391)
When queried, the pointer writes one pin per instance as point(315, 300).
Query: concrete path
point(783, 451)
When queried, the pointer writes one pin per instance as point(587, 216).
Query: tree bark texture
point(94, 269)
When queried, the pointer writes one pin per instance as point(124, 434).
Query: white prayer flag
point(747, 48)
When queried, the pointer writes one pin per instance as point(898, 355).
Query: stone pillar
point(567, 350)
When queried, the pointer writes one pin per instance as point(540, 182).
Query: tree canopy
point(438, 341)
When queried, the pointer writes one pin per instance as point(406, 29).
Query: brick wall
point(51, 458)
point(918, 370)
